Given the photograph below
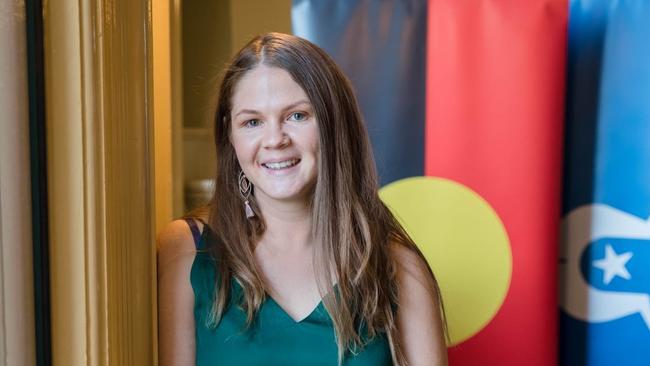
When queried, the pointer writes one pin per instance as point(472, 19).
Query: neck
point(288, 224)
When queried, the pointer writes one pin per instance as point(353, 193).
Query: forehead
point(266, 88)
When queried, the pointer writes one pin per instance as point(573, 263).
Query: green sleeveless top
point(274, 338)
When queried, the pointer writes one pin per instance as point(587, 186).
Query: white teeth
point(282, 164)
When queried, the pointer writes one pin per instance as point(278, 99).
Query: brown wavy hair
point(353, 228)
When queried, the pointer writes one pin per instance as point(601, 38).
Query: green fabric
point(275, 339)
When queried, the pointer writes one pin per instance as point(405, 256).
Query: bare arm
point(176, 340)
point(418, 315)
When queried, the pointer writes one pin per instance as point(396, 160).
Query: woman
point(298, 262)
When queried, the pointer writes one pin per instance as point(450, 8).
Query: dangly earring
point(245, 188)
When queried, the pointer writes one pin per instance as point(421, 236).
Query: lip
point(284, 171)
point(279, 160)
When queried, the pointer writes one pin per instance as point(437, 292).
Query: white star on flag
point(613, 265)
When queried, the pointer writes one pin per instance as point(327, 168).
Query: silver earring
point(245, 188)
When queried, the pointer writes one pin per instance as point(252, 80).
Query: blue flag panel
point(380, 45)
point(605, 259)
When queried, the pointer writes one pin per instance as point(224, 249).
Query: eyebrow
point(290, 106)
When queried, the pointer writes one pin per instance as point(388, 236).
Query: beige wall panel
point(253, 17)
point(17, 341)
point(206, 48)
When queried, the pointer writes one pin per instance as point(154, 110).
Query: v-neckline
point(270, 298)
point(286, 313)
point(311, 313)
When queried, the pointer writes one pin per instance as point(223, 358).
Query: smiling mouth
point(281, 164)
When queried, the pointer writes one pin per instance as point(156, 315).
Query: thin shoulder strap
point(196, 233)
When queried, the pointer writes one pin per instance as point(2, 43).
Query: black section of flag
point(380, 45)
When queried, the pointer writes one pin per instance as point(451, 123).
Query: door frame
point(101, 181)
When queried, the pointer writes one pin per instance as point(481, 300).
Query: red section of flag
point(495, 109)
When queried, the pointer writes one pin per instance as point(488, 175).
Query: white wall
point(17, 345)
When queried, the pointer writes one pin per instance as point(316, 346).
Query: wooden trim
point(176, 27)
point(162, 101)
point(100, 163)
point(65, 183)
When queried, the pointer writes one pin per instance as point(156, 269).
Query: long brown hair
point(352, 227)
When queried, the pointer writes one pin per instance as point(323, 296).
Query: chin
point(287, 195)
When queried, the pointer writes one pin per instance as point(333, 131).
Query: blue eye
point(252, 123)
point(298, 116)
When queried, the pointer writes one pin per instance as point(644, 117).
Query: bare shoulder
point(174, 242)
point(176, 252)
point(412, 269)
point(419, 314)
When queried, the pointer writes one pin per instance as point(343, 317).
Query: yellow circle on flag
point(465, 243)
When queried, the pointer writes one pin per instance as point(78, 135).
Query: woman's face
point(275, 134)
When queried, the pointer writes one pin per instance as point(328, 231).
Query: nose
point(275, 136)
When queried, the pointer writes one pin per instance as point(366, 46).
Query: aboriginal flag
point(464, 102)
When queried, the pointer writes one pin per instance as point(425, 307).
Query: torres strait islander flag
point(464, 103)
point(605, 257)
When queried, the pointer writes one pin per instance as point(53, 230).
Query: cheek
point(241, 157)
point(314, 140)
point(243, 146)
point(316, 148)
